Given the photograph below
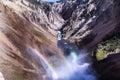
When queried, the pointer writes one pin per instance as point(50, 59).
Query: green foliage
point(100, 55)
point(110, 45)
point(107, 46)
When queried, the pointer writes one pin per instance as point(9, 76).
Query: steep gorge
point(27, 25)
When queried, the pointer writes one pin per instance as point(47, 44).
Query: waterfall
point(74, 65)
point(78, 68)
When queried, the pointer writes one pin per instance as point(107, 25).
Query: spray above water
point(46, 65)
point(77, 68)
point(73, 66)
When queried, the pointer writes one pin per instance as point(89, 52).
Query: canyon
point(28, 27)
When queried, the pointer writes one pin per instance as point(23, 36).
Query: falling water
point(78, 68)
point(73, 66)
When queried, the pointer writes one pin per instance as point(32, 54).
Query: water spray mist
point(73, 65)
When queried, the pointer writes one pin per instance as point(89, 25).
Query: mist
point(78, 66)
point(75, 64)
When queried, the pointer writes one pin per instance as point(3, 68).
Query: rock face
point(89, 21)
point(43, 15)
point(109, 68)
point(37, 12)
point(24, 29)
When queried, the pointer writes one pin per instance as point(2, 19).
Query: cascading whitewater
point(76, 68)
point(73, 66)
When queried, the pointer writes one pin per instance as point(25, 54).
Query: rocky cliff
point(88, 21)
point(24, 29)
